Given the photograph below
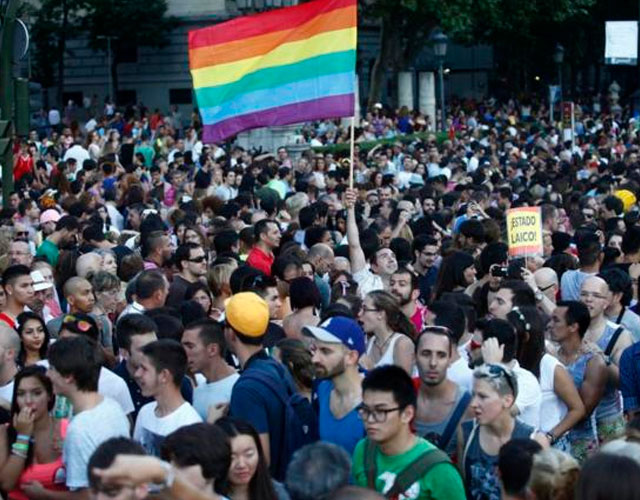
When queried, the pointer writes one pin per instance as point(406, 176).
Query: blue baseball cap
point(339, 330)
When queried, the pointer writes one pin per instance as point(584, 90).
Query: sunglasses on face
point(198, 259)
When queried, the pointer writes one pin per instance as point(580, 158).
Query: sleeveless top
point(387, 356)
point(432, 431)
point(552, 408)
point(480, 468)
point(584, 429)
point(610, 404)
point(52, 476)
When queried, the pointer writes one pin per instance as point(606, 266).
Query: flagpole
point(351, 143)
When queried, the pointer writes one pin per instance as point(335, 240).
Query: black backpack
point(300, 426)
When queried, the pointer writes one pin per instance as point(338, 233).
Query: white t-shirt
point(460, 373)
point(367, 281)
point(151, 430)
point(206, 395)
point(114, 387)
point(552, 408)
point(529, 396)
point(6, 391)
point(88, 430)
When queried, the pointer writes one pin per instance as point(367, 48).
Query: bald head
point(594, 294)
point(342, 264)
point(547, 281)
point(74, 285)
point(321, 256)
point(88, 263)
point(9, 344)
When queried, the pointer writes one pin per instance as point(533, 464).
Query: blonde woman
point(554, 475)
point(219, 279)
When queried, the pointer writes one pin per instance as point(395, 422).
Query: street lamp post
point(439, 41)
point(108, 38)
point(558, 58)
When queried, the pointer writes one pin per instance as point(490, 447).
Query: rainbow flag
point(284, 66)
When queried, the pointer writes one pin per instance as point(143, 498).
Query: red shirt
point(418, 316)
point(260, 260)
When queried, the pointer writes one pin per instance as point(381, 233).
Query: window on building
point(126, 97)
point(180, 96)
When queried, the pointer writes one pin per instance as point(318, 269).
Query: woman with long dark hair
point(390, 331)
point(34, 338)
point(30, 447)
point(561, 407)
point(248, 477)
point(457, 272)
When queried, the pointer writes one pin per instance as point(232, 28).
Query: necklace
point(382, 347)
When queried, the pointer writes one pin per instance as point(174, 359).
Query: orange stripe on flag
point(262, 44)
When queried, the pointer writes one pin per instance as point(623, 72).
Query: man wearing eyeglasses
point(19, 252)
point(391, 448)
point(191, 262)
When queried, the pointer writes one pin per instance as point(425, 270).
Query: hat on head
point(39, 283)
point(339, 330)
point(627, 197)
point(49, 215)
point(248, 314)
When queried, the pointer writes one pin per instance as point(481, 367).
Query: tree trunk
point(379, 70)
point(62, 47)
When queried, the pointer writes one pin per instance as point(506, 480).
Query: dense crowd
point(199, 321)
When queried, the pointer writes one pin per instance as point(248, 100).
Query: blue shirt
point(630, 377)
point(345, 431)
point(253, 401)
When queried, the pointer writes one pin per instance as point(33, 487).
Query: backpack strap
point(370, 463)
point(453, 422)
point(612, 341)
point(416, 470)
point(267, 380)
point(468, 445)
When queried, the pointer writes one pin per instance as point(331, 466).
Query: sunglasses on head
point(82, 325)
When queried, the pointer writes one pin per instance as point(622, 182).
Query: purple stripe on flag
point(326, 107)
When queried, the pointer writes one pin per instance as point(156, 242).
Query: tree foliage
point(518, 28)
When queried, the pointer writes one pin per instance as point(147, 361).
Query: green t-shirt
point(442, 482)
point(49, 251)
point(148, 153)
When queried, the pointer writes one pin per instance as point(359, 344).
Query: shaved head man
point(547, 281)
point(322, 258)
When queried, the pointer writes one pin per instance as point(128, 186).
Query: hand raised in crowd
point(350, 198)
point(492, 351)
point(23, 421)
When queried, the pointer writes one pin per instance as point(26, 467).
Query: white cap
point(39, 283)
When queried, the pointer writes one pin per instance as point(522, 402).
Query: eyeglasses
point(588, 216)
point(369, 309)
point(379, 414)
point(430, 254)
point(22, 233)
point(197, 260)
point(497, 371)
point(545, 288)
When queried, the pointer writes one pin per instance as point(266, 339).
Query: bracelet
point(20, 446)
point(19, 454)
point(23, 437)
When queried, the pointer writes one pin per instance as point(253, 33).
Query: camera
point(499, 272)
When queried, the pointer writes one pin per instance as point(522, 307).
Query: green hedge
point(338, 149)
